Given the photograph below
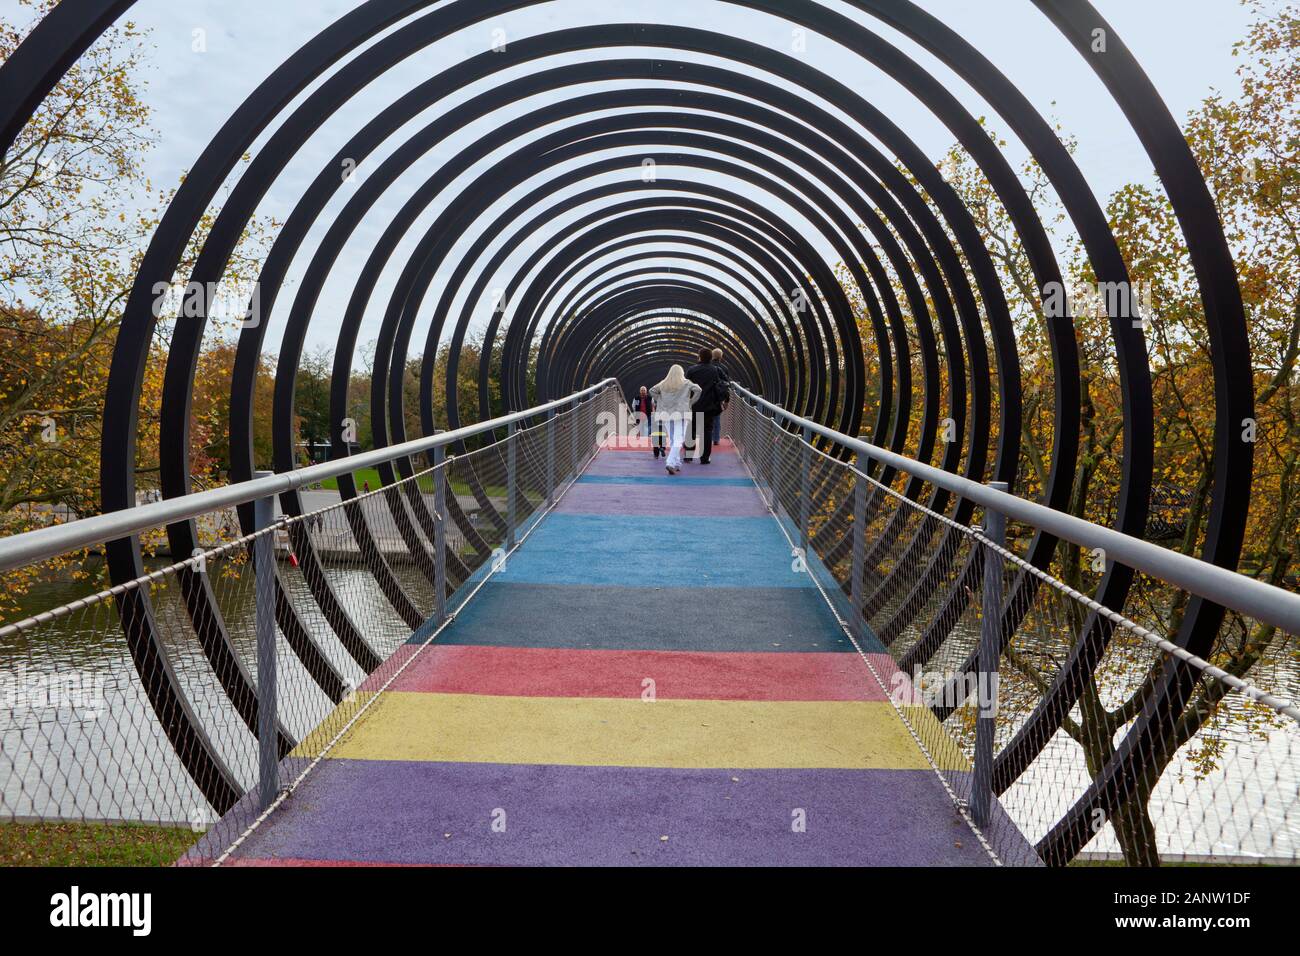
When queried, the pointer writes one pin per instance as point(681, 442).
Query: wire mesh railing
point(1063, 729)
point(181, 707)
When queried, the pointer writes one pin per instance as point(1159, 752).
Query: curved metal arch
point(550, 275)
point(735, 318)
point(755, 302)
point(721, 229)
point(686, 343)
point(754, 245)
point(607, 319)
point(827, 218)
point(737, 323)
point(60, 38)
point(696, 336)
point(788, 369)
point(755, 280)
point(1234, 402)
point(1145, 110)
point(471, 297)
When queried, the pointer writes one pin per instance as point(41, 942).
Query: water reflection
point(79, 738)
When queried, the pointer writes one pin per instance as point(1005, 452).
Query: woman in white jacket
point(674, 397)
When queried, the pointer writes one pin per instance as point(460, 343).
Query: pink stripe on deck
point(683, 675)
point(385, 670)
point(642, 445)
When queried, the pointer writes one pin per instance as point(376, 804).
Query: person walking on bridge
point(673, 398)
point(644, 407)
point(713, 387)
point(717, 421)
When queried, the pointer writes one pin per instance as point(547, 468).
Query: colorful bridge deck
point(648, 681)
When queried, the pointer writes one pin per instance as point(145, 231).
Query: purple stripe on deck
point(686, 500)
point(408, 812)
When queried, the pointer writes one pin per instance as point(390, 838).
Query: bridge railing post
point(512, 479)
point(736, 431)
point(771, 440)
point(550, 457)
point(859, 554)
point(751, 441)
point(995, 530)
point(758, 454)
point(805, 487)
point(268, 737)
point(574, 436)
point(440, 535)
point(766, 454)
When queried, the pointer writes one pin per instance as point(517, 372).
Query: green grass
point(426, 483)
point(359, 476)
point(92, 844)
point(462, 488)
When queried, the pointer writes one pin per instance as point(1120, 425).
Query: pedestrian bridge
point(500, 634)
point(649, 679)
point(547, 650)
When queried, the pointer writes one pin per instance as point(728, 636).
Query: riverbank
point(92, 844)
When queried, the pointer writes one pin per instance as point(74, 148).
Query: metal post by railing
point(805, 487)
point(859, 554)
point(550, 457)
point(573, 440)
point(736, 432)
point(268, 738)
point(766, 455)
point(512, 478)
point(751, 444)
point(995, 529)
point(440, 535)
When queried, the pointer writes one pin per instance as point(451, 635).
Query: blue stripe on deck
point(656, 551)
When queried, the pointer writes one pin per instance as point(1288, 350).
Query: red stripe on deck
point(683, 675)
point(898, 684)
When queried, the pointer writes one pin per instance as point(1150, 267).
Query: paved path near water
point(649, 681)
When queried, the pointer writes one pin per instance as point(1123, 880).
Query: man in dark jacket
point(717, 422)
point(711, 381)
point(644, 406)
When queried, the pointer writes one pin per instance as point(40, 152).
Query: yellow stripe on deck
point(475, 728)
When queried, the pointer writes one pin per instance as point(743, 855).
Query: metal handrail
point(1231, 589)
point(43, 543)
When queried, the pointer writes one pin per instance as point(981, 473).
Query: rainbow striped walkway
point(649, 681)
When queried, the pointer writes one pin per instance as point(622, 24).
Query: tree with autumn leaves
point(63, 188)
point(76, 212)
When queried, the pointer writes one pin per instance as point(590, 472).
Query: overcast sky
point(1185, 46)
